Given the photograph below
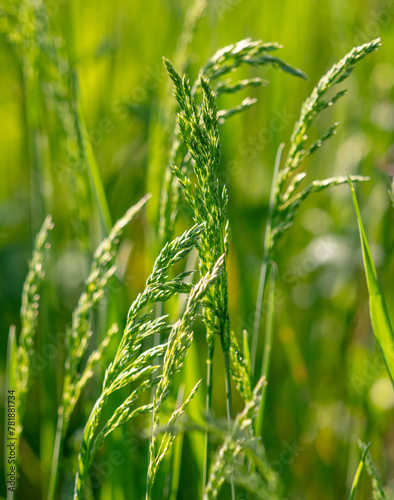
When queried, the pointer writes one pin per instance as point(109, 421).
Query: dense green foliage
point(246, 364)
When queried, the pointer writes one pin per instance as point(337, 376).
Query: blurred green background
point(328, 386)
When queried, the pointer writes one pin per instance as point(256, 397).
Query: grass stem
point(263, 272)
point(269, 327)
point(58, 446)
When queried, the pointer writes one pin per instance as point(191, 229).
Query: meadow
point(196, 249)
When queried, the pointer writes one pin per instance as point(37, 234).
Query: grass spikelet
point(179, 341)
point(286, 201)
point(131, 363)
point(225, 61)
point(77, 337)
point(29, 316)
point(199, 133)
point(239, 435)
point(317, 103)
point(286, 195)
point(240, 368)
point(20, 353)
point(247, 51)
point(80, 331)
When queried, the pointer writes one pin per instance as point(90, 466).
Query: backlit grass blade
point(378, 310)
point(358, 474)
point(377, 487)
point(93, 169)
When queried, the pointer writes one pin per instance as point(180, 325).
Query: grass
point(121, 372)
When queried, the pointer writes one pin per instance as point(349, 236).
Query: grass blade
point(358, 473)
point(93, 169)
point(378, 310)
point(377, 488)
point(263, 272)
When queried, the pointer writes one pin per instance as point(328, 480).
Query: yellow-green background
point(327, 384)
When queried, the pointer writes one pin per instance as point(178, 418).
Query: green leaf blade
point(378, 310)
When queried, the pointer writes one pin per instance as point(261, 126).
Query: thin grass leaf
point(266, 257)
point(377, 487)
point(358, 473)
point(377, 306)
point(93, 169)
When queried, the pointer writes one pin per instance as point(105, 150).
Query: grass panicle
point(287, 199)
point(21, 352)
point(47, 74)
point(286, 193)
point(132, 363)
point(314, 105)
point(179, 341)
point(199, 132)
point(238, 440)
point(29, 317)
point(223, 62)
point(78, 335)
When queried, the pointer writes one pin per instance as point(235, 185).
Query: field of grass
point(87, 126)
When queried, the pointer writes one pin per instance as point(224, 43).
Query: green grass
point(245, 365)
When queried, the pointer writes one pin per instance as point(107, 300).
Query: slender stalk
point(208, 405)
point(149, 484)
point(86, 454)
point(358, 474)
point(58, 446)
point(258, 311)
point(229, 400)
point(269, 327)
point(263, 272)
point(176, 458)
